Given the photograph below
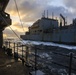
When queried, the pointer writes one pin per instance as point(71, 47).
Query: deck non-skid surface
point(8, 66)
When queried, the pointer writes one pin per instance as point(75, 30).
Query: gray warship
point(50, 30)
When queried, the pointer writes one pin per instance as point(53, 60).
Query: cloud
point(10, 33)
point(71, 6)
point(70, 3)
point(26, 5)
point(31, 10)
point(27, 9)
point(20, 27)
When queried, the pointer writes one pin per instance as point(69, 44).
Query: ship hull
point(49, 30)
point(67, 36)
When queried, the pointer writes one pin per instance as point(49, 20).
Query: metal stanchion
point(22, 51)
point(14, 50)
point(26, 54)
point(70, 64)
point(22, 56)
point(35, 60)
point(16, 54)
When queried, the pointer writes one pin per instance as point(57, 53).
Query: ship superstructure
point(46, 29)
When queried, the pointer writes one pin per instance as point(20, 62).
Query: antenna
point(66, 20)
point(44, 13)
point(56, 18)
point(47, 13)
point(52, 15)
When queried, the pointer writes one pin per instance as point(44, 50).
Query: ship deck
point(8, 66)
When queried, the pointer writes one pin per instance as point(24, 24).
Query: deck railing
point(33, 57)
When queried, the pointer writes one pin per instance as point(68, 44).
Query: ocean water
point(48, 44)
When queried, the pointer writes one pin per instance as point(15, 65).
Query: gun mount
point(4, 19)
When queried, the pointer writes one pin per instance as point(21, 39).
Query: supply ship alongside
point(47, 29)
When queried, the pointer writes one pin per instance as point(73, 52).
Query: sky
point(32, 10)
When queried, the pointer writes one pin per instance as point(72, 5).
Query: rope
point(19, 15)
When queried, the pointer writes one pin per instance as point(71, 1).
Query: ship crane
point(4, 19)
point(63, 18)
